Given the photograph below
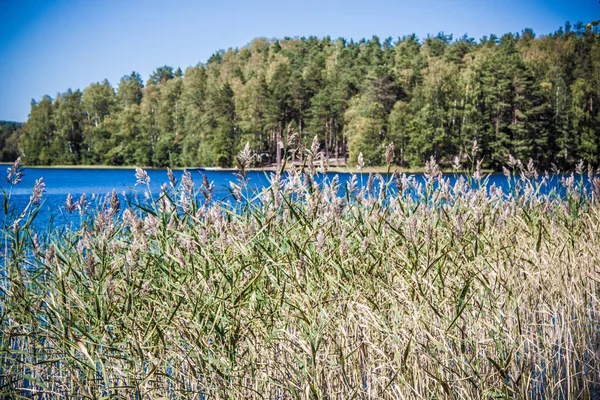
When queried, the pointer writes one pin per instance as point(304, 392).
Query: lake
point(97, 183)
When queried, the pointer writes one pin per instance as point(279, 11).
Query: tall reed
point(393, 289)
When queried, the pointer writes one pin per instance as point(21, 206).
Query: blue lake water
point(97, 183)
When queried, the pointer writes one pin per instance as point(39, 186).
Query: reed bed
point(393, 289)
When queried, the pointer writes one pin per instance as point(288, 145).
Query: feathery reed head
point(14, 175)
point(38, 191)
point(141, 177)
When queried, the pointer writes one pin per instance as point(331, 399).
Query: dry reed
point(396, 289)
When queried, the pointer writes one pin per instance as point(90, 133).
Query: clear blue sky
point(47, 47)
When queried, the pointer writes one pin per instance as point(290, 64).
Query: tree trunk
point(277, 141)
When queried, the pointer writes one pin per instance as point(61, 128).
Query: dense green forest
point(9, 140)
point(532, 97)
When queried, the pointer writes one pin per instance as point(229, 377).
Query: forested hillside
point(531, 97)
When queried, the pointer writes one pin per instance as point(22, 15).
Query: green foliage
point(10, 133)
point(130, 89)
point(443, 289)
point(531, 96)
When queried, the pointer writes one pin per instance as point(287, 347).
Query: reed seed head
point(360, 162)
point(389, 154)
point(141, 177)
point(14, 175)
point(69, 205)
point(38, 191)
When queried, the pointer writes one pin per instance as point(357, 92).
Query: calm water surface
point(97, 183)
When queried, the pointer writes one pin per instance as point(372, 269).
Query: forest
point(9, 140)
point(531, 97)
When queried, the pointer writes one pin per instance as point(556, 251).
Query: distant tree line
point(530, 97)
point(9, 140)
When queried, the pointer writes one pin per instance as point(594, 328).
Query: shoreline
point(341, 170)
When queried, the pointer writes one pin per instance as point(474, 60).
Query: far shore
point(341, 170)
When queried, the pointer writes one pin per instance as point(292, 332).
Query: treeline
point(9, 140)
point(530, 97)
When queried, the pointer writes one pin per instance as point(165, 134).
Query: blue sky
point(47, 47)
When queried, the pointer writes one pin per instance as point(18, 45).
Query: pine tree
point(130, 90)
